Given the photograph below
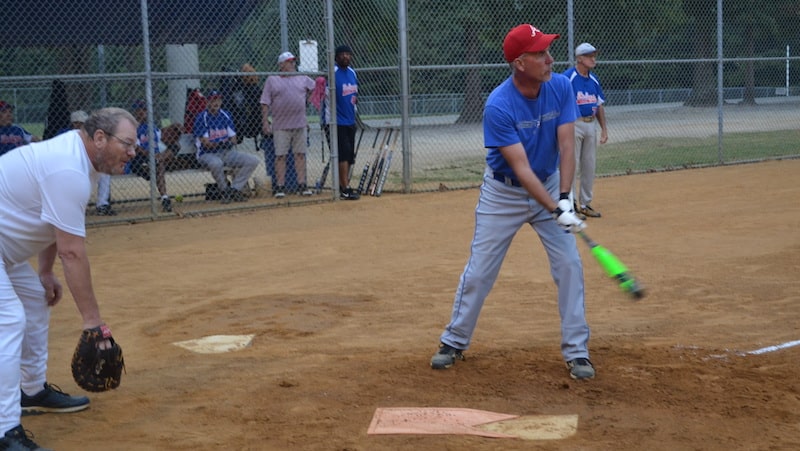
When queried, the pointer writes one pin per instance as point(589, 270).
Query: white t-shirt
point(43, 185)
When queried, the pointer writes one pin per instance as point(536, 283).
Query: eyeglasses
point(128, 145)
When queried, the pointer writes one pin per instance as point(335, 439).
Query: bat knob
point(629, 285)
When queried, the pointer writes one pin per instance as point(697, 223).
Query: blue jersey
point(13, 136)
point(346, 94)
point(143, 138)
point(214, 127)
point(510, 118)
point(588, 92)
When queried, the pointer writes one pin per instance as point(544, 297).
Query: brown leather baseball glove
point(96, 369)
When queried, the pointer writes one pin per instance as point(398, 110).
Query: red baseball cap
point(525, 38)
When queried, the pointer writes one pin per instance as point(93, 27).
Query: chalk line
point(788, 344)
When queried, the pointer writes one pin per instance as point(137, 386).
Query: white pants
point(24, 325)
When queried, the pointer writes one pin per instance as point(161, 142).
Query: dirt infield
point(347, 301)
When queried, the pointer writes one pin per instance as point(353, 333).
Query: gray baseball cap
point(585, 49)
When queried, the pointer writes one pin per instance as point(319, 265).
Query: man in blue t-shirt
point(11, 135)
point(529, 131)
point(346, 99)
point(140, 164)
point(590, 99)
point(215, 137)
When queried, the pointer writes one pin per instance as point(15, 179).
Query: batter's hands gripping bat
point(614, 268)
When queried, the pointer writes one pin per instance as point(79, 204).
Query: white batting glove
point(565, 215)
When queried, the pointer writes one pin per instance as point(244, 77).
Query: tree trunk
point(472, 109)
point(749, 96)
point(704, 91)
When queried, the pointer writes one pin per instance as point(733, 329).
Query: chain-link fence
point(686, 83)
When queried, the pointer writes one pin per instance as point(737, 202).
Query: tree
point(703, 37)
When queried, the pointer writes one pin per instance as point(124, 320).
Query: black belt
point(506, 179)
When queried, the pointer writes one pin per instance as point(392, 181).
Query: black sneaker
point(166, 204)
point(52, 399)
point(280, 192)
point(238, 195)
point(578, 213)
point(105, 210)
point(580, 368)
point(18, 439)
point(348, 194)
point(445, 357)
point(304, 191)
point(590, 212)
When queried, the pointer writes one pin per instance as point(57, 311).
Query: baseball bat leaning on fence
point(387, 163)
point(324, 177)
point(365, 171)
point(355, 155)
point(614, 268)
point(375, 170)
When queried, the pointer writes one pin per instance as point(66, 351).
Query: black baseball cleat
point(18, 439)
point(445, 357)
point(166, 205)
point(105, 210)
point(578, 213)
point(590, 212)
point(52, 400)
point(348, 194)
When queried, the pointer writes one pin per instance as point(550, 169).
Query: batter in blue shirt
point(529, 131)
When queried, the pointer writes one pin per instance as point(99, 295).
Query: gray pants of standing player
point(585, 161)
point(502, 210)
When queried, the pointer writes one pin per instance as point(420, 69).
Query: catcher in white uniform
point(44, 190)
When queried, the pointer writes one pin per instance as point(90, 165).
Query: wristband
point(563, 196)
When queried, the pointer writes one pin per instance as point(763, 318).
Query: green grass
point(670, 153)
point(645, 155)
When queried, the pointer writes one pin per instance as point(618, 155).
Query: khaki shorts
point(290, 138)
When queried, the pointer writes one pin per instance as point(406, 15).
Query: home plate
point(537, 427)
point(216, 344)
point(460, 421)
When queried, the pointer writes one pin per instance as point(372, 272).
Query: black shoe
point(166, 204)
point(280, 192)
point(578, 213)
point(52, 399)
point(105, 210)
point(238, 196)
point(304, 191)
point(17, 439)
point(348, 194)
point(580, 369)
point(446, 357)
point(590, 212)
point(225, 196)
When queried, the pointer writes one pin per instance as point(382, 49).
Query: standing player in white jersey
point(528, 126)
point(44, 190)
point(590, 99)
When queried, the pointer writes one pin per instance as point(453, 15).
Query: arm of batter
point(516, 158)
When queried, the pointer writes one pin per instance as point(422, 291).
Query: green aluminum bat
point(614, 268)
